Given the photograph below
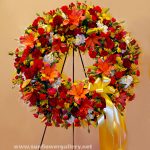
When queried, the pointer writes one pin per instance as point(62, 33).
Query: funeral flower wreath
point(46, 42)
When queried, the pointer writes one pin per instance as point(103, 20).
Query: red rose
point(123, 46)
point(127, 63)
point(57, 20)
point(120, 35)
point(51, 91)
point(92, 53)
point(41, 31)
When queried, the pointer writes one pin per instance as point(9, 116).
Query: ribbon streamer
point(112, 126)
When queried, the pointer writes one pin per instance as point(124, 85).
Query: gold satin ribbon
point(112, 130)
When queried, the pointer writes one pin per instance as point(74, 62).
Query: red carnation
point(103, 53)
point(51, 91)
point(82, 48)
point(92, 53)
point(113, 80)
point(41, 31)
point(127, 63)
point(91, 79)
point(36, 21)
point(65, 9)
point(119, 74)
point(98, 9)
point(123, 46)
point(57, 20)
point(42, 96)
point(36, 53)
point(43, 41)
point(109, 43)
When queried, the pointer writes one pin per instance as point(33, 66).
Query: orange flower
point(49, 73)
point(78, 91)
point(92, 40)
point(75, 17)
point(103, 67)
point(28, 40)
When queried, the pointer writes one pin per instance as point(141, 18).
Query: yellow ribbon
point(112, 130)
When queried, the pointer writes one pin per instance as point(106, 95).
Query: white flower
point(57, 83)
point(128, 39)
point(51, 37)
point(90, 115)
point(63, 15)
point(80, 39)
point(71, 119)
point(103, 27)
point(126, 80)
point(49, 58)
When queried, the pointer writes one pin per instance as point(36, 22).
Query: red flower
point(92, 53)
point(82, 48)
point(120, 35)
point(109, 43)
point(92, 40)
point(53, 101)
point(51, 91)
point(57, 20)
point(57, 45)
point(138, 73)
point(41, 31)
point(119, 74)
point(33, 99)
point(25, 54)
point(42, 96)
point(36, 53)
point(103, 53)
point(123, 46)
point(122, 99)
point(113, 80)
point(36, 21)
point(91, 79)
point(98, 9)
point(43, 41)
point(127, 63)
point(66, 10)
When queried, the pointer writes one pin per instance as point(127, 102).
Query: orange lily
point(28, 40)
point(78, 91)
point(49, 73)
point(104, 67)
point(92, 40)
point(75, 17)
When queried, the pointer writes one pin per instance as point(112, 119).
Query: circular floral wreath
point(82, 28)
